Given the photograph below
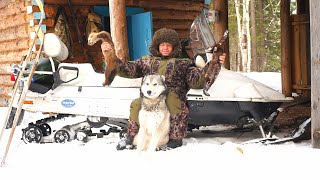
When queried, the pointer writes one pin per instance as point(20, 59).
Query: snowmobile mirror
point(65, 74)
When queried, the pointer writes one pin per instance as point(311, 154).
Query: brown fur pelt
point(110, 57)
point(214, 67)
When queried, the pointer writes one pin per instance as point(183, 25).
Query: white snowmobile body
point(77, 90)
point(83, 94)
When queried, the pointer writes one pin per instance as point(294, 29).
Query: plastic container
point(54, 47)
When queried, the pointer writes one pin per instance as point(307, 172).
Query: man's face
point(165, 48)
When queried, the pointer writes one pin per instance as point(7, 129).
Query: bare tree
point(237, 7)
point(244, 34)
point(246, 31)
point(261, 43)
point(254, 36)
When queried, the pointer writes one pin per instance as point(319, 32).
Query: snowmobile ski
point(302, 132)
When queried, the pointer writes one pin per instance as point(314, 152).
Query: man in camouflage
point(180, 75)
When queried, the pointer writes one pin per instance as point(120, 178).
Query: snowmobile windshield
point(201, 37)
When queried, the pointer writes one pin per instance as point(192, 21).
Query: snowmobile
point(67, 89)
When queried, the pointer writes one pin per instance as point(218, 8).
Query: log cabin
point(299, 35)
point(18, 20)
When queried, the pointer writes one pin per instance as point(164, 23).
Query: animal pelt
point(214, 67)
point(109, 57)
point(154, 116)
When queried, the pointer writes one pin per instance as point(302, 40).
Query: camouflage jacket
point(180, 73)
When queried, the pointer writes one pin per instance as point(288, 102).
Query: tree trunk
point(254, 36)
point(247, 24)
point(261, 54)
point(237, 7)
point(244, 39)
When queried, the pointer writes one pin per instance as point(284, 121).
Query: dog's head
point(153, 86)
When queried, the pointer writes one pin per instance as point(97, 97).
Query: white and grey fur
point(154, 116)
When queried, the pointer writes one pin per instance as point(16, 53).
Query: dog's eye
point(147, 84)
point(155, 84)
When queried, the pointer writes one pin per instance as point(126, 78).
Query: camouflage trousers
point(179, 115)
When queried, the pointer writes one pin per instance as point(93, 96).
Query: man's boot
point(174, 143)
point(125, 143)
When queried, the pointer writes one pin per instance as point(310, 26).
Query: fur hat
point(168, 36)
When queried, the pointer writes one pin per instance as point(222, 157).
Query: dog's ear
point(143, 79)
point(166, 91)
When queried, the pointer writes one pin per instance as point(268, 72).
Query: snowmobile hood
point(229, 86)
point(234, 86)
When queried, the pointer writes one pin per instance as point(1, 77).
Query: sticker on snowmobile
point(68, 103)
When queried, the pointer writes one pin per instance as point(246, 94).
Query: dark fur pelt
point(110, 57)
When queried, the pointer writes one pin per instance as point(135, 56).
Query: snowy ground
point(210, 156)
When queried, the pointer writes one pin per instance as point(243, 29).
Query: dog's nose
point(149, 92)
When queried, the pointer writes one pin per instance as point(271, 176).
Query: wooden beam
point(17, 32)
point(174, 24)
point(85, 2)
point(4, 3)
point(118, 28)
point(12, 57)
point(222, 25)
point(315, 72)
point(14, 45)
point(78, 2)
point(17, 8)
point(285, 48)
point(12, 22)
point(174, 15)
point(171, 5)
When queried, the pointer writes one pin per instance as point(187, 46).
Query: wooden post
point(315, 72)
point(222, 25)
point(285, 48)
point(118, 28)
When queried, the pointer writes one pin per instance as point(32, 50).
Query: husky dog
point(154, 115)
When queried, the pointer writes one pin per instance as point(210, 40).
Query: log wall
point(14, 41)
point(174, 14)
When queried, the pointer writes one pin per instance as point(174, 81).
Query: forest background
point(254, 34)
